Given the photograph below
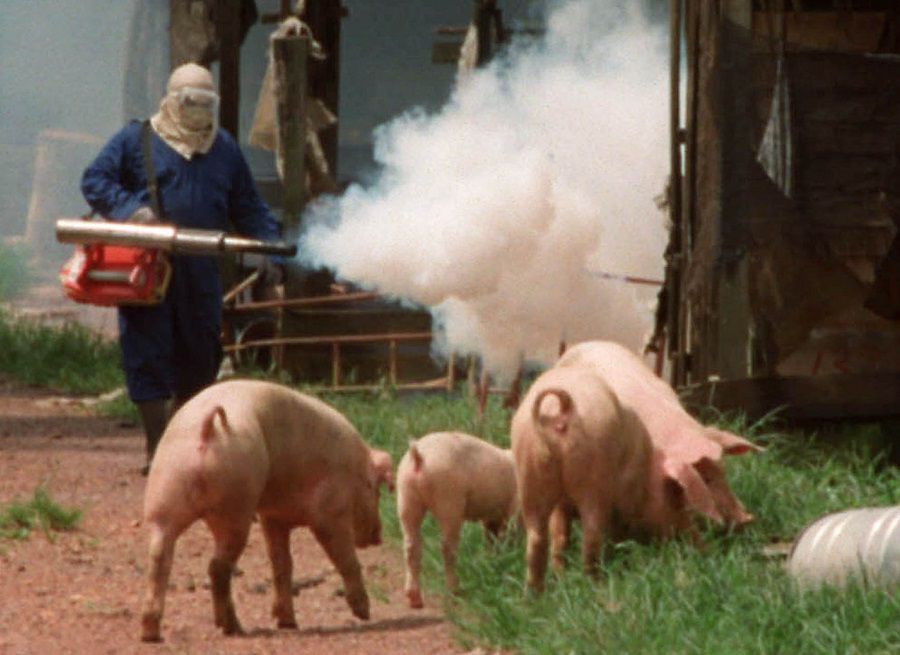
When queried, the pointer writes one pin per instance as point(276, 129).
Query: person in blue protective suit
point(172, 350)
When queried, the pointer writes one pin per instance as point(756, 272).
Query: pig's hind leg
point(161, 554)
point(337, 541)
point(494, 531)
point(540, 495)
point(411, 512)
point(230, 537)
point(595, 528)
point(449, 517)
point(560, 531)
point(278, 543)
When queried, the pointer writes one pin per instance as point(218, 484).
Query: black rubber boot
point(154, 417)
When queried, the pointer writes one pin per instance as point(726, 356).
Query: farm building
point(782, 265)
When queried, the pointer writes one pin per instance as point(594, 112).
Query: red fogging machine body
point(127, 263)
point(99, 274)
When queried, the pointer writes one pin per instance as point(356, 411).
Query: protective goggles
point(191, 97)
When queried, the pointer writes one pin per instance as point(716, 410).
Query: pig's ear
point(730, 507)
point(383, 468)
point(731, 443)
point(694, 491)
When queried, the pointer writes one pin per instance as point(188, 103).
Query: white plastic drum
point(858, 544)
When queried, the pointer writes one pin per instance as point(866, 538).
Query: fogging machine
point(126, 263)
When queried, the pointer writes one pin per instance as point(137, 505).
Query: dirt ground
point(81, 592)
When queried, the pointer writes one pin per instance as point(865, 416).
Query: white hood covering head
point(187, 119)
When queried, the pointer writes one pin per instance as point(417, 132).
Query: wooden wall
point(775, 284)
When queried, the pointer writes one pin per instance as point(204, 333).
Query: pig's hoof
point(231, 627)
point(533, 590)
point(287, 624)
point(232, 631)
point(414, 596)
point(360, 608)
point(150, 629)
point(151, 637)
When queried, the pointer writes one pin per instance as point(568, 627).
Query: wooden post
point(290, 59)
point(228, 19)
point(472, 376)
point(451, 371)
point(392, 362)
point(483, 389)
point(675, 242)
point(483, 20)
point(335, 364)
point(324, 19)
point(514, 395)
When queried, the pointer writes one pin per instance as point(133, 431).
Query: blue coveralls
point(173, 348)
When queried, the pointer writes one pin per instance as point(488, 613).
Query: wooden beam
point(826, 397)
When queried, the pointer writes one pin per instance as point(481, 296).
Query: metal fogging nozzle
point(167, 237)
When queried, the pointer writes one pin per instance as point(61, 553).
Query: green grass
point(119, 407)
point(69, 358)
point(663, 597)
point(19, 519)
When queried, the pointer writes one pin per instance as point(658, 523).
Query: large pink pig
point(691, 454)
point(243, 448)
point(457, 477)
point(577, 450)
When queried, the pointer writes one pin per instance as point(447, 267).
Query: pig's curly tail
point(566, 405)
point(208, 430)
point(549, 429)
point(415, 455)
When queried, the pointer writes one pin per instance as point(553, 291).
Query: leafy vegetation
point(19, 519)
point(69, 358)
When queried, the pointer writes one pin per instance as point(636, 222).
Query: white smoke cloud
point(495, 211)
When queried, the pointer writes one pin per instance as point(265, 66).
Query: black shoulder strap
point(152, 186)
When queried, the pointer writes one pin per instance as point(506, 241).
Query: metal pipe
point(861, 544)
point(435, 384)
point(631, 279)
point(290, 303)
point(325, 340)
point(250, 280)
point(167, 237)
point(123, 277)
